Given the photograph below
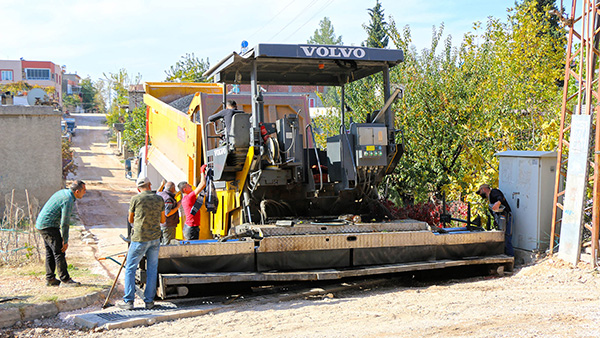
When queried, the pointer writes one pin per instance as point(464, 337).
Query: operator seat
point(239, 132)
point(230, 155)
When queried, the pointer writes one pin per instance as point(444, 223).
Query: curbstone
point(9, 317)
point(71, 304)
point(93, 297)
point(32, 312)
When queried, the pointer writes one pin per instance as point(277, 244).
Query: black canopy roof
point(322, 65)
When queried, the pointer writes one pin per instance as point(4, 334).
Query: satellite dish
point(37, 96)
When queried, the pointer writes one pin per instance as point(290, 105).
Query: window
point(7, 75)
point(37, 74)
point(311, 103)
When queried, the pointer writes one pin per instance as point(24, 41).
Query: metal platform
point(314, 228)
point(328, 274)
point(320, 252)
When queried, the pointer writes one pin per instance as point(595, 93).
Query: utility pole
point(577, 183)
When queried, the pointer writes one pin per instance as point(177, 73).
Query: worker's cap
point(481, 187)
point(142, 181)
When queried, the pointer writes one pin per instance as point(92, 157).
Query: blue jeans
point(136, 252)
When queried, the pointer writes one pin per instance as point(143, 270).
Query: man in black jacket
point(226, 114)
point(501, 212)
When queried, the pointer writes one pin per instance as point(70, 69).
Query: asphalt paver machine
point(289, 210)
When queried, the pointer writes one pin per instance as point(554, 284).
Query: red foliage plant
point(428, 212)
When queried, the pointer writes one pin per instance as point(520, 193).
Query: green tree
point(99, 97)
point(377, 28)
point(495, 91)
point(462, 105)
point(135, 128)
point(189, 69)
point(89, 96)
point(70, 102)
point(118, 95)
point(325, 35)
point(529, 98)
point(545, 10)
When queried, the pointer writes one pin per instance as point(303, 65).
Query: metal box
point(335, 147)
point(527, 181)
point(371, 144)
point(290, 138)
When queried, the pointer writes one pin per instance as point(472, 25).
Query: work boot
point(150, 305)
point(69, 283)
point(53, 282)
point(125, 305)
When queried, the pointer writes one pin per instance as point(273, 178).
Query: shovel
point(105, 305)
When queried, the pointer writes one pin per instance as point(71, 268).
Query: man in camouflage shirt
point(146, 213)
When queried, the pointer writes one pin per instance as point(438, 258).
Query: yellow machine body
point(176, 150)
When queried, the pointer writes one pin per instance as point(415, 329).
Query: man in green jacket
point(54, 219)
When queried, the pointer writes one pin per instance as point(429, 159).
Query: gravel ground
point(549, 299)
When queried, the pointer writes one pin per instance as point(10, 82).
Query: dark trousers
point(508, 247)
point(191, 233)
point(55, 258)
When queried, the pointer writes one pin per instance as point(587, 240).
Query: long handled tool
point(105, 305)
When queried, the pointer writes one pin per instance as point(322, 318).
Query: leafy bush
point(68, 163)
point(135, 129)
point(428, 212)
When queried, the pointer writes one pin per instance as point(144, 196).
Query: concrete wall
point(30, 152)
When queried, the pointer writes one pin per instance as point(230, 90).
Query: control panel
point(371, 144)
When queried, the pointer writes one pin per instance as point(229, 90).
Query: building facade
point(40, 73)
point(71, 84)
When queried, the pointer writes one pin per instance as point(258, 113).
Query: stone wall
point(30, 152)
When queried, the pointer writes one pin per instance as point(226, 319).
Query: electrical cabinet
point(527, 179)
point(371, 144)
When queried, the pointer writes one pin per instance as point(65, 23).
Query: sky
point(97, 37)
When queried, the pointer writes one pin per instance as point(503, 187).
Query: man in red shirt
point(191, 227)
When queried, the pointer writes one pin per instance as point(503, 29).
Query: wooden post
point(10, 212)
point(32, 226)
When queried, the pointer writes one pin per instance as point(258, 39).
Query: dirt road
point(549, 299)
point(543, 301)
point(103, 210)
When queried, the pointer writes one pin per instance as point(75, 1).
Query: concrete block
point(36, 311)
point(8, 317)
point(71, 304)
point(86, 320)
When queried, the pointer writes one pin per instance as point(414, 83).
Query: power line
point(273, 18)
point(294, 19)
point(312, 17)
